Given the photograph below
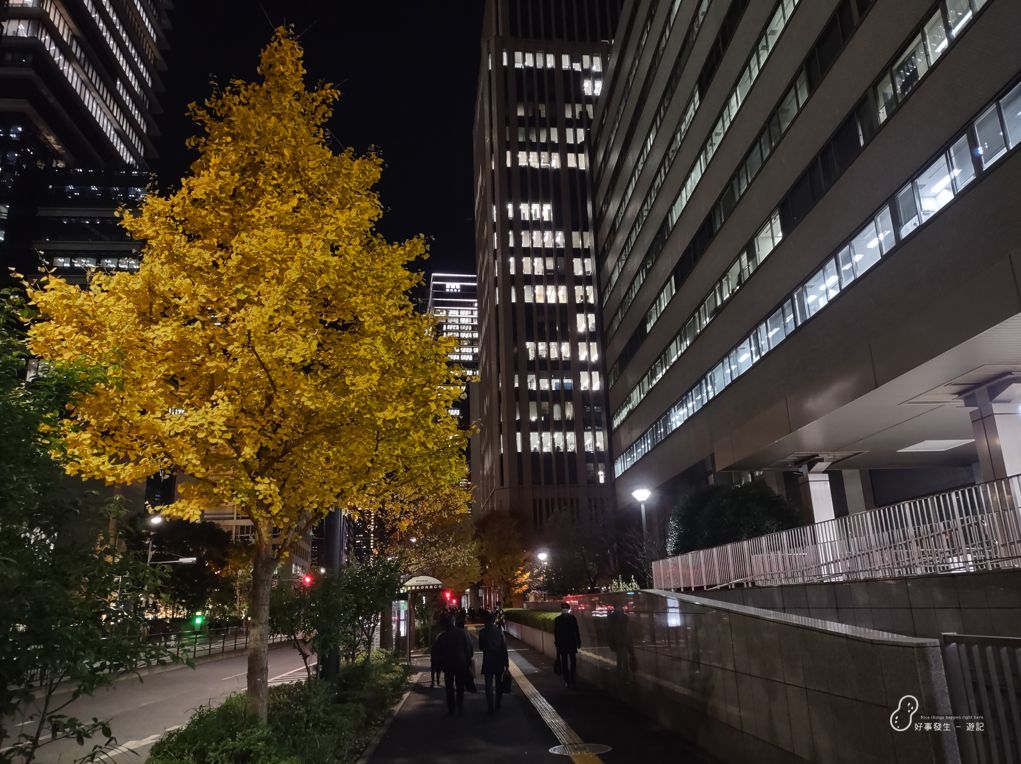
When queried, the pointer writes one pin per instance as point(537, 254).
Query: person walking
point(567, 639)
point(454, 653)
point(495, 660)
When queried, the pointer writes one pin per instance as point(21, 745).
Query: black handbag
point(506, 682)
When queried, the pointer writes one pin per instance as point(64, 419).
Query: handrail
point(976, 526)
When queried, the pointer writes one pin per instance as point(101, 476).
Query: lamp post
point(641, 496)
point(543, 557)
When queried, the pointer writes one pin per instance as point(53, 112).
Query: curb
point(381, 732)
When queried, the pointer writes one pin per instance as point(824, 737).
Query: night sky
point(407, 74)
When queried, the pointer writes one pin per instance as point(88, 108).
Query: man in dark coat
point(453, 651)
point(567, 639)
point(495, 660)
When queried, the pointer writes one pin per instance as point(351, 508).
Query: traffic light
point(198, 619)
point(448, 595)
point(307, 579)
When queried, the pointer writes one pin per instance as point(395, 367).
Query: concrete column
point(816, 496)
point(858, 490)
point(997, 430)
point(774, 479)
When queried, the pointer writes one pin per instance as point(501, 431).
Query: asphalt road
point(140, 712)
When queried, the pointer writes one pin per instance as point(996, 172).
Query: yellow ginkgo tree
point(267, 349)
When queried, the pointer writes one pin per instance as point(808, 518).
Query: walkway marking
point(233, 676)
point(286, 673)
point(561, 729)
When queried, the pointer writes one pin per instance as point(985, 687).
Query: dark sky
point(407, 73)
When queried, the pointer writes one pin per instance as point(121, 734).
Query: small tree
point(70, 616)
point(717, 515)
point(502, 555)
point(267, 348)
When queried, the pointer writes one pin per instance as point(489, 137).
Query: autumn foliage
point(267, 348)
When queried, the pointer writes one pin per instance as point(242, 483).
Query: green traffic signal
point(198, 619)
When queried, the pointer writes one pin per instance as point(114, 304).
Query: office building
point(542, 447)
point(808, 246)
point(453, 302)
point(80, 80)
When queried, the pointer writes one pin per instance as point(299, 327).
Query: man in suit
point(567, 639)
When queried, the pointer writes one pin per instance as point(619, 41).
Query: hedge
point(309, 722)
point(537, 619)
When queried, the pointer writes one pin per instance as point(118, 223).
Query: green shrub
point(308, 722)
point(537, 619)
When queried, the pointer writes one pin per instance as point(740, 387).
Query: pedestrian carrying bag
point(557, 668)
point(505, 681)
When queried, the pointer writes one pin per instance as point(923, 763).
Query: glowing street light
point(155, 519)
point(641, 496)
point(543, 556)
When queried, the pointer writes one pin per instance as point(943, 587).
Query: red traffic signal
point(307, 579)
point(448, 595)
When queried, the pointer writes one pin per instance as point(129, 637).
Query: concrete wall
point(751, 685)
point(987, 603)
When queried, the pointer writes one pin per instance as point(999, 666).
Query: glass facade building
point(81, 80)
point(784, 195)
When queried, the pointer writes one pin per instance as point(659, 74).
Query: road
point(140, 712)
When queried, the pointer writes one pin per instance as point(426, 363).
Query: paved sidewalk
point(422, 732)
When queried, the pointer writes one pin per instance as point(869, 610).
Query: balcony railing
point(967, 529)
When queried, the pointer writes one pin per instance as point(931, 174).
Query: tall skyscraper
point(80, 80)
point(807, 244)
point(542, 445)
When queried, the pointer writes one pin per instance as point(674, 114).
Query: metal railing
point(211, 642)
point(984, 679)
point(191, 645)
point(967, 529)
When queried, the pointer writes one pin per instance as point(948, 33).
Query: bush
point(537, 619)
point(308, 722)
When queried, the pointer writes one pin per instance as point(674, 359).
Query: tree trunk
point(263, 566)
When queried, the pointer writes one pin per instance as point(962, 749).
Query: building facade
point(453, 302)
point(542, 447)
point(808, 246)
point(80, 80)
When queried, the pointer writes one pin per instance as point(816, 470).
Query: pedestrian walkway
point(539, 714)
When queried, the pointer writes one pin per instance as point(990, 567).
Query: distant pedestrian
point(500, 618)
point(495, 660)
point(454, 651)
point(435, 669)
point(567, 639)
point(471, 615)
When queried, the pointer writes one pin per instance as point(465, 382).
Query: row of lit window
point(554, 294)
point(538, 266)
point(550, 240)
point(768, 236)
point(33, 28)
point(571, 111)
point(125, 40)
point(529, 211)
point(587, 351)
point(540, 60)
point(766, 43)
point(995, 131)
point(657, 120)
point(751, 257)
point(544, 134)
point(588, 380)
point(107, 263)
point(547, 160)
point(550, 442)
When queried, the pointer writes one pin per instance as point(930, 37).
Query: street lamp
point(155, 519)
point(641, 496)
point(543, 556)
